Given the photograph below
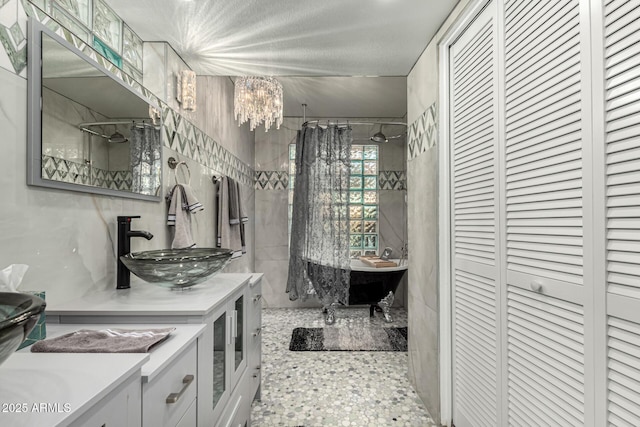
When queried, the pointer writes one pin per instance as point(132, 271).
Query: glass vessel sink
point(177, 268)
point(19, 313)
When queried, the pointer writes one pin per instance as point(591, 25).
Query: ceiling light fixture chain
point(258, 100)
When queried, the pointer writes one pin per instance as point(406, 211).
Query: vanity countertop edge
point(144, 299)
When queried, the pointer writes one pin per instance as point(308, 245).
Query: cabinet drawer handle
point(257, 332)
point(174, 397)
point(257, 298)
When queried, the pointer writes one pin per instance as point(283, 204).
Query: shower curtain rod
point(117, 122)
point(348, 122)
point(84, 127)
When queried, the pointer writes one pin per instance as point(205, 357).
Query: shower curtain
point(319, 246)
point(145, 159)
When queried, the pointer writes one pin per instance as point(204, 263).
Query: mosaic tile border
point(279, 180)
point(271, 180)
point(179, 134)
point(62, 170)
point(423, 133)
point(15, 45)
point(392, 180)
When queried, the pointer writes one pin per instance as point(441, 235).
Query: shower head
point(379, 137)
point(117, 138)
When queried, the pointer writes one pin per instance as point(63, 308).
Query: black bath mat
point(349, 339)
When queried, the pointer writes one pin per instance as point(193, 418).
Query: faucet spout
point(140, 233)
point(124, 247)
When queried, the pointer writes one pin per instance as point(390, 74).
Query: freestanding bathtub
point(375, 287)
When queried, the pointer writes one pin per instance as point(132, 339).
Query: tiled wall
point(279, 180)
point(272, 186)
point(68, 239)
point(422, 173)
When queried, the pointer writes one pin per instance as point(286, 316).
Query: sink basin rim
point(36, 306)
point(178, 255)
point(177, 268)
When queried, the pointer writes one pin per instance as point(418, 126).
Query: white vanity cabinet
point(229, 351)
point(71, 390)
point(121, 408)
point(255, 335)
point(167, 400)
point(226, 359)
point(245, 367)
point(164, 390)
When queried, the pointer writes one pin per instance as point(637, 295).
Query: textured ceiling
point(299, 39)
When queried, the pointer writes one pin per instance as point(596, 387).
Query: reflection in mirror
point(95, 133)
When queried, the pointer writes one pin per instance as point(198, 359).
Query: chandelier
point(258, 99)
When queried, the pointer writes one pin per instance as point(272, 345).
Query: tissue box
point(39, 331)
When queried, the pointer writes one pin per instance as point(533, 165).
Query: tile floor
point(312, 389)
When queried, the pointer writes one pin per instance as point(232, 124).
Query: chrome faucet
point(124, 247)
point(404, 253)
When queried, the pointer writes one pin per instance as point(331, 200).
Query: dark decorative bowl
point(19, 313)
point(177, 268)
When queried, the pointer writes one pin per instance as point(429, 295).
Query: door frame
point(445, 259)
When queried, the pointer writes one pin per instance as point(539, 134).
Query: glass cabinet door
point(238, 355)
point(219, 357)
point(239, 349)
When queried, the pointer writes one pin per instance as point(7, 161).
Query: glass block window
point(107, 52)
point(99, 26)
point(69, 22)
point(132, 48)
point(79, 9)
point(363, 198)
point(107, 25)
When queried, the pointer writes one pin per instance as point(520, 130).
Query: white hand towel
point(193, 205)
point(180, 219)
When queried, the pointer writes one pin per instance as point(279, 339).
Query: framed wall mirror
point(88, 130)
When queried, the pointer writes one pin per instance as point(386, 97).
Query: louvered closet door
point(474, 113)
point(622, 147)
point(544, 124)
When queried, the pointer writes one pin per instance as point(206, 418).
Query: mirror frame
point(34, 116)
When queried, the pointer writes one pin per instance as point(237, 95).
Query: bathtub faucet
point(404, 253)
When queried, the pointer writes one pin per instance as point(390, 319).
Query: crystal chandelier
point(258, 99)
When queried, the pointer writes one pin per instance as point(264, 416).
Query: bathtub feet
point(330, 314)
point(385, 305)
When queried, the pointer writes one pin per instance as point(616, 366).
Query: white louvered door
point(546, 290)
point(622, 209)
point(543, 173)
point(474, 133)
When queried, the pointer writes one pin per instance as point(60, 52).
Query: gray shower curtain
point(145, 153)
point(319, 246)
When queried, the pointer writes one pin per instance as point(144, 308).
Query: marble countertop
point(145, 299)
point(160, 355)
point(54, 389)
